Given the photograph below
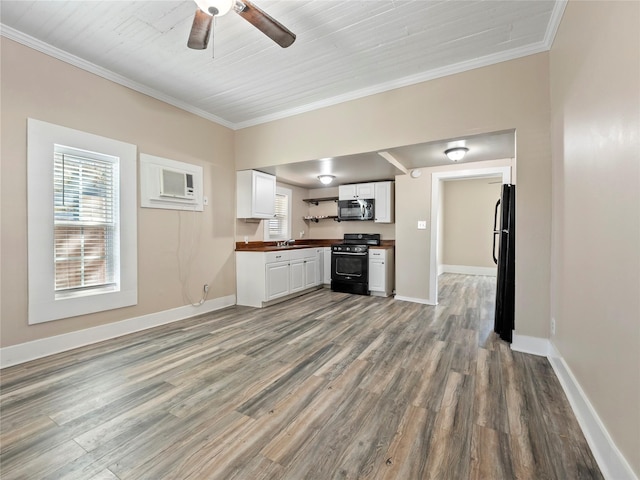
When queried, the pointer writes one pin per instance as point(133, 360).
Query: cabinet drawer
point(377, 254)
point(271, 257)
point(302, 253)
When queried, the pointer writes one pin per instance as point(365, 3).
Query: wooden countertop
point(306, 243)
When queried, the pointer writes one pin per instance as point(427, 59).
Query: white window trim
point(289, 193)
point(43, 305)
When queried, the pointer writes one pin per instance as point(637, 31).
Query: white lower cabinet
point(326, 274)
point(265, 276)
point(381, 271)
point(320, 266)
point(277, 280)
point(311, 270)
point(297, 275)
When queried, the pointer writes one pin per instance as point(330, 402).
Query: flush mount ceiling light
point(456, 153)
point(326, 179)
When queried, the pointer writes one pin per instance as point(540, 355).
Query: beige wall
point(508, 95)
point(468, 221)
point(595, 93)
point(38, 86)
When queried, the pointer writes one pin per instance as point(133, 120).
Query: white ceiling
point(344, 50)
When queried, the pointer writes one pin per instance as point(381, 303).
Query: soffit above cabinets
point(371, 166)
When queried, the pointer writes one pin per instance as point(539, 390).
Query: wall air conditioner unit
point(170, 184)
point(176, 184)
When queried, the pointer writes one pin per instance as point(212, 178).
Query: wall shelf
point(316, 201)
point(317, 218)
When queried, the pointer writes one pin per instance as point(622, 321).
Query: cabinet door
point(264, 195)
point(376, 275)
point(319, 265)
point(383, 202)
point(310, 272)
point(347, 192)
point(327, 266)
point(277, 280)
point(297, 275)
point(377, 270)
point(365, 190)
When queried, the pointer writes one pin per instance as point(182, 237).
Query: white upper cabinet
point(255, 194)
point(384, 204)
point(356, 190)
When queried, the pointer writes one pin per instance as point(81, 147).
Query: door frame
point(436, 184)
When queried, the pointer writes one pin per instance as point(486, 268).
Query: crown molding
point(512, 54)
point(433, 74)
point(554, 22)
point(31, 42)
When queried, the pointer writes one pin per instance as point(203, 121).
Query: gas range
point(350, 263)
point(357, 242)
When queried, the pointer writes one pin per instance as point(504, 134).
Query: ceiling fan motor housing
point(215, 7)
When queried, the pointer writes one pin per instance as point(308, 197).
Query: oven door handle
point(348, 253)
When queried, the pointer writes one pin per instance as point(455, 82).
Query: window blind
point(85, 222)
point(278, 226)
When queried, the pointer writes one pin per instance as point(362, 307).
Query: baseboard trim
point(24, 352)
point(610, 460)
point(424, 301)
point(468, 270)
point(532, 345)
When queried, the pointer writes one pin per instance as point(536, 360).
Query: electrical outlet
point(553, 326)
point(422, 224)
point(206, 288)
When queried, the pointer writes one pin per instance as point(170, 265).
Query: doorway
point(437, 179)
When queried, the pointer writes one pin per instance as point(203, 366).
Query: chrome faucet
point(285, 243)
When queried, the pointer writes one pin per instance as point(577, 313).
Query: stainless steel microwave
point(355, 209)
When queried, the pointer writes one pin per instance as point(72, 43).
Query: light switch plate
point(422, 224)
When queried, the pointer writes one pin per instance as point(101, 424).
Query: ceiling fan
point(207, 9)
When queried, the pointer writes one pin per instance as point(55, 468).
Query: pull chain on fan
point(202, 22)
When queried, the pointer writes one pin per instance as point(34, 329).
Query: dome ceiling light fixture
point(326, 179)
point(456, 154)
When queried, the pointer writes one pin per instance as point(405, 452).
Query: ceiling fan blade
point(265, 23)
point(200, 30)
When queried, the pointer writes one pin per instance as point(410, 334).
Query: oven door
point(350, 267)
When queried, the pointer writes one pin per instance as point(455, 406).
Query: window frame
point(44, 304)
point(267, 232)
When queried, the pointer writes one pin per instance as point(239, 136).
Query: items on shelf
point(317, 218)
point(316, 201)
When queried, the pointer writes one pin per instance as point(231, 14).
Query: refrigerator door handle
point(495, 231)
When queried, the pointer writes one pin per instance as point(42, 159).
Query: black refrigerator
point(504, 233)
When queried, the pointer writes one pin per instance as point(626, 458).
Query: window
point(279, 227)
point(86, 205)
point(82, 222)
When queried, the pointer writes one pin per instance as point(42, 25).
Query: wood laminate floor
point(326, 386)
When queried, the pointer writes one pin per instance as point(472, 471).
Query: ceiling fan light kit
point(456, 154)
point(207, 9)
point(216, 7)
